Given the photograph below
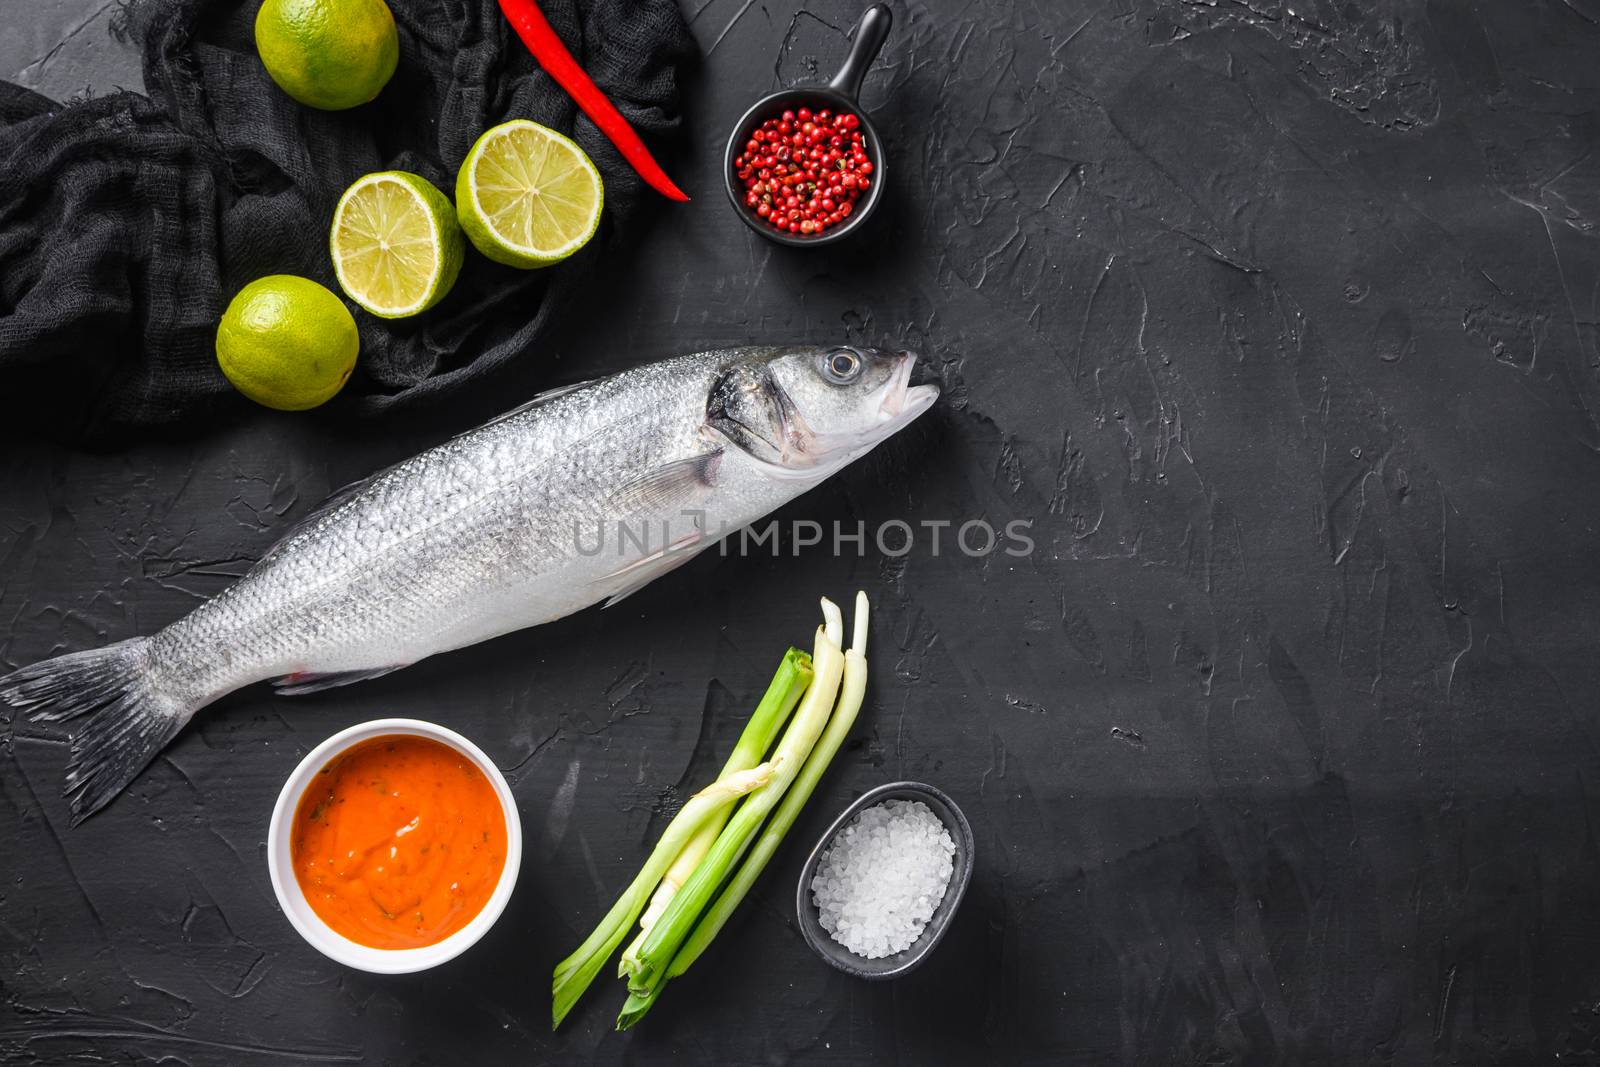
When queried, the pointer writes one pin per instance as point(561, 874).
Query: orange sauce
point(398, 842)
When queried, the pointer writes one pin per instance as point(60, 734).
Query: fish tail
point(129, 718)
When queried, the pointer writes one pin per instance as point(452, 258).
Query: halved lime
point(396, 245)
point(527, 196)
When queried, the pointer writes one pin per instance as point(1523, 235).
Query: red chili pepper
point(542, 40)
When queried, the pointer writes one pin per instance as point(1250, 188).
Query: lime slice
point(396, 245)
point(527, 196)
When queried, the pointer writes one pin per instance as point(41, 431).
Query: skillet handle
point(870, 33)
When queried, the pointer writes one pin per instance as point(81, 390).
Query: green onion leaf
point(667, 937)
point(574, 974)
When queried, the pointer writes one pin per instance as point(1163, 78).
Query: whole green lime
point(328, 54)
point(287, 342)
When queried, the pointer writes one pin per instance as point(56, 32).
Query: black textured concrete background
point(1277, 319)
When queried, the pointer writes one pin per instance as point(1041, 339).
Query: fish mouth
point(903, 401)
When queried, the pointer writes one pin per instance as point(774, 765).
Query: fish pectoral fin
point(293, 685)
point(646, 569)
point(667, 486)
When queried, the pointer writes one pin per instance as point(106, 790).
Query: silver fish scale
point(474, 538)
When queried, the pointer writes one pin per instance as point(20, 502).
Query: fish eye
point(842, 366)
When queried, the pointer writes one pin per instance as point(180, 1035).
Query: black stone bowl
point(907, 960)
point(843, 93)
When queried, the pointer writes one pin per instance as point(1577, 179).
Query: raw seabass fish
point(487, 533)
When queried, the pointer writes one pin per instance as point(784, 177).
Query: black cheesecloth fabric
point(128, 222)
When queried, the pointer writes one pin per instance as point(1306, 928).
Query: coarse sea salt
point(882, 877)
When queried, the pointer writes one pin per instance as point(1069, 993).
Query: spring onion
point(769, 717)
point(852, 692)
point(573, 975)
point(677, 922)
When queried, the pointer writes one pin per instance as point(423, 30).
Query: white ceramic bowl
point(293, 901)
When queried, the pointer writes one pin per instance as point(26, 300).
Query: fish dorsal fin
point(555, 391)
point(340, 496)
point(335, 500)
point(538, 398)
